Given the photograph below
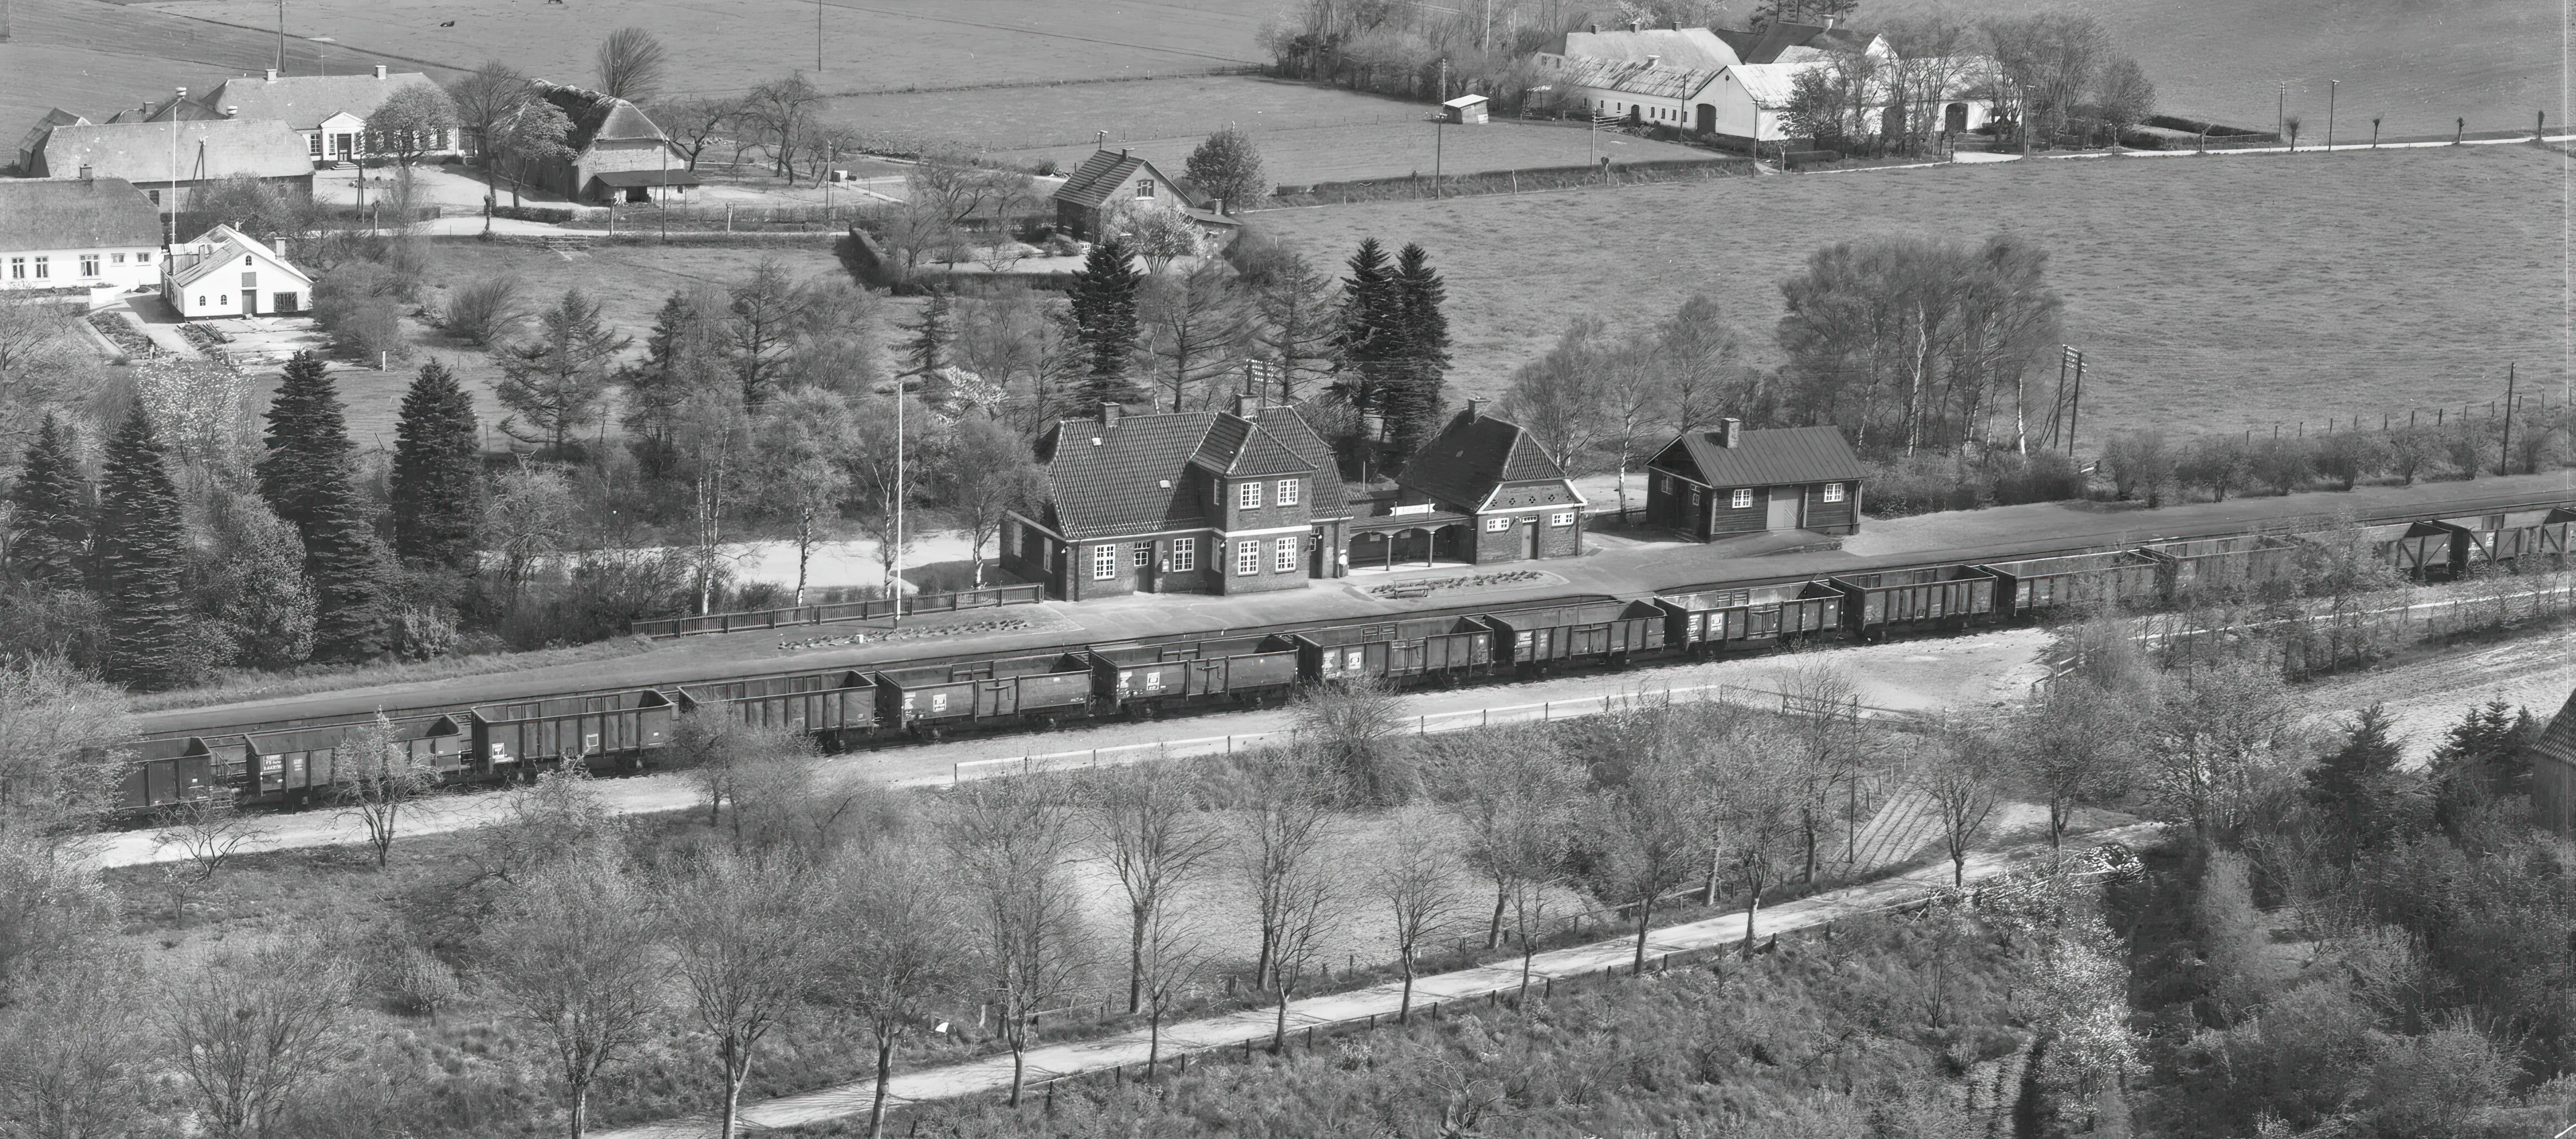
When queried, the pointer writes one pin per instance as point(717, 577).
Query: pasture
point(2209, 294)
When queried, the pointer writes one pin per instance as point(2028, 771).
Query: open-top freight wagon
point(2046, 587)
point(932, 700)
point(299, 765)
point(839, 705)
point(1901, 601)
point(606, 732)
point(1533, 640)
point(1143, 681)
point(1738, 620)
point(1438, 649)
point(2518, 539)
point(2242, 564)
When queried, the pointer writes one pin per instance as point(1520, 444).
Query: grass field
point(2208, 293)
point(2421, 64)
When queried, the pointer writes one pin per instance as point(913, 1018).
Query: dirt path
point(1979, 670)
point(993, 1074)
point(2424, 698)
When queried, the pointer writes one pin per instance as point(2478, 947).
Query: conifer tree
point(1412, 403)
point(437, 483)
point(1369, 337)
point(927, 351)
point(305, 479)
point(2360, 784)
point(52, 507)
point(1104, 321)
point(308, 445)
point(140, 550)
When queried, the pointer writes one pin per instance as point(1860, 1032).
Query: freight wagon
point(616, 731)
point(936, 699)
point(1440, 649)
point(1142, 681)
point(298, 766)
point(2038, 587)
point(1534, 640)
point(1896, 601)
point(839, 704)
point(166, 772)
point(2243, 564)
point(1737, 620)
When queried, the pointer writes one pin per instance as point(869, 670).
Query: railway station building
point(1707, 485)
point(1239, 501)
point(1480, 492)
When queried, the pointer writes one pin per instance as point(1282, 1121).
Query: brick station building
point(1239, 501)
point(1481, 491)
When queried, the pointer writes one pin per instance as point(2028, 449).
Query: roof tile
point(1774, 457)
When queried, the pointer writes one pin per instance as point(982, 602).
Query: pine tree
point(140, 550)
point(305, 478)
point(52, 507)
point(555, 382)
point(2481, 760)
point(437, 476)
point(931, 335)
point(2360, 784)
point(1104, 321)
point(1412, 404)
point(1368, 337)
point(308, 444)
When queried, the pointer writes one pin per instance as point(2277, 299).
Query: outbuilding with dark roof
point(609, 136)
point(160, 158)
point(2553, 774)
point(1239, 501)
point(1718, 484)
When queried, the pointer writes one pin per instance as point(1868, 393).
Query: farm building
point(618, 154)
point(169, 161)
point(1718, 484)
point(229, 273)
point(1481, 491)
point(330, 111)
point(2553, 775)
point(95, 235)
point(1241, 501)
point(1106, 182)
point(1737, 82)
point(30, 142)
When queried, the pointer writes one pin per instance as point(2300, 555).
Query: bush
point(354, 304)
point(486, 312)
point(552, 215)
point(40, 622)
point(2043, 476)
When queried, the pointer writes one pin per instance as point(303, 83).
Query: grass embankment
point(2209, 294)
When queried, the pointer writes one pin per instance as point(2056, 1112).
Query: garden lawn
point(2209, 294)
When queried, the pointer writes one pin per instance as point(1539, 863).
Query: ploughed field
point(2209, 293)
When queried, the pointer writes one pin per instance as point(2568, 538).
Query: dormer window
point(1144, 187)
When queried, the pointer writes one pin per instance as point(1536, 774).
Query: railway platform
point(1614, 565)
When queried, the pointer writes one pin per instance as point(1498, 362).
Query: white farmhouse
point(70, 236)
point(228, 273)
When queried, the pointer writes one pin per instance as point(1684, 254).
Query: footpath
point(1369, 1006)
point(1615, 564)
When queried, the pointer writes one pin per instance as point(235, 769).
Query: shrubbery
point(1927, 483)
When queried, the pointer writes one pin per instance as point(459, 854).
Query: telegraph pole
point(2075, 406)
point(281, 37)
point(818, 36)
point(2504, 461)
point(171, 240)
point(2330, 102)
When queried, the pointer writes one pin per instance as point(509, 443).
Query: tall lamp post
point(170, 238)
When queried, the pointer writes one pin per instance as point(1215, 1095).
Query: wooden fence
point(795, 615)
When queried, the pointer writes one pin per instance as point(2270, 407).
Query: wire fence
point(868, 610)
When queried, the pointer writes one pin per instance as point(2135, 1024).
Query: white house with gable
point(228, 273)
point(87, 238)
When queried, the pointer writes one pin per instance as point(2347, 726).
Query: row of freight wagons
point(849, 707)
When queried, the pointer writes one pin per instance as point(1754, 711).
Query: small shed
point(1465, 110)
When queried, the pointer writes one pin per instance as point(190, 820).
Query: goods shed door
point(1785, 501)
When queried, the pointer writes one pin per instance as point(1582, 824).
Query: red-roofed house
point(1481, 491)
point(1241, 501)
point(1718, 484)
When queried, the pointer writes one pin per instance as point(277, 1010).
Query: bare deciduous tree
point(1155, 829)
point(572, 949)
point(207, 831)
point(59, 735)
point(1650, 828)
point(1959, 775)
point(375, 777)
point(248, 1030)
point(1299, 905)
point(544, 823)
point(1417, 879)
point(75, 1057)
point(1761, 815)
point(896, 954)
point(1558, 397)
point(1011, 839)
point(631, 62)
point(1285, 819)
point(2077, 743)
point(1352, 727)
point(1823, 703)
point(744, 938)
point(1176, 959)
point(1507, 800)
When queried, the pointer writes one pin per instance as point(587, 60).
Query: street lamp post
point(2331, 84)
